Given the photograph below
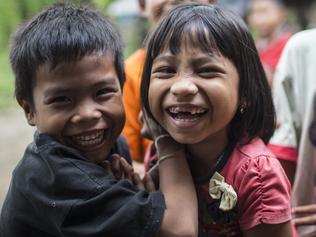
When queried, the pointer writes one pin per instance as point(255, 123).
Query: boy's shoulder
point(47, 163)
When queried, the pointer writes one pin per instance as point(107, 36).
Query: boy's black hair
point(62, 33)
point(215, 30)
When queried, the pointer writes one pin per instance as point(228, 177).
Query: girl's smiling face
point(193, 94)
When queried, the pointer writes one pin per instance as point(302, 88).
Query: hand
point(304, 215)
point(120, 169)
point(150, 128)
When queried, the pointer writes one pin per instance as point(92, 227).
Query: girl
point(204, 84)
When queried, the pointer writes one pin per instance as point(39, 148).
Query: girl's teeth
point(191, 110)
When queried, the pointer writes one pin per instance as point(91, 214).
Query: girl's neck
point(203, 155)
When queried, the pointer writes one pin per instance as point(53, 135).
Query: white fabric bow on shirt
point(218, 189)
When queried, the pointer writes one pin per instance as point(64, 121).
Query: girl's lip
point(185, 123)
point(199, 105)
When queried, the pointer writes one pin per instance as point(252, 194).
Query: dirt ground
point(15, 135)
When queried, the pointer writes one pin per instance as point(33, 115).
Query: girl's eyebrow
point(165, 57)
point(205, 58)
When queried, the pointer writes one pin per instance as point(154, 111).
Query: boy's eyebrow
point(106, 81)
point(56, 90)
point(61, 89)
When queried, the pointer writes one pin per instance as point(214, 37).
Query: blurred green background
point(13, 12)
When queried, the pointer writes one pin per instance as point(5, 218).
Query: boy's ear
point(28, 111)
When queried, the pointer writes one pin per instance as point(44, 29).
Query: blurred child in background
point(294, 89)
point(268, 21)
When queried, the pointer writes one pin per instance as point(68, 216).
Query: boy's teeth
point(91, 139)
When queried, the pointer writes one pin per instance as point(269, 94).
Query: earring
point(242, 109)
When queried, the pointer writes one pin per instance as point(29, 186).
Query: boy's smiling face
point(79, 104)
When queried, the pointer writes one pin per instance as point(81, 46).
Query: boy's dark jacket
point(55, 191)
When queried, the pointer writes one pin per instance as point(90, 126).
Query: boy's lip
point(89, 140)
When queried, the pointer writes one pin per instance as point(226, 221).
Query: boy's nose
point(86, 112)
point(184, 87)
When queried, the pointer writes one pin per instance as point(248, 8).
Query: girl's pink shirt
point(262, 188)
point(261, 185)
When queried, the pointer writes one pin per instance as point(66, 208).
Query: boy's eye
point(105, 91)
point(60, 99)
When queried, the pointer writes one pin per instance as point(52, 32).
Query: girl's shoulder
point(256, 147)
point(252, 160)
point(261, 185)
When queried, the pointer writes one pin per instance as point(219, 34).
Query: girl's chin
point(186, 139)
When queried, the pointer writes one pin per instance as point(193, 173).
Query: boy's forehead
point(65, 65)
point(87, 65)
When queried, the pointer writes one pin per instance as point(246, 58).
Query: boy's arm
point(181, 215)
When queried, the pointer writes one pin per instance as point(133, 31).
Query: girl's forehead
point(192, 37)
point(191, 47)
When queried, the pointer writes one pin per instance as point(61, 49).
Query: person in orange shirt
point(153, 10)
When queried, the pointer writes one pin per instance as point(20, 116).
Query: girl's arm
point(175, 181)
point(264, 230)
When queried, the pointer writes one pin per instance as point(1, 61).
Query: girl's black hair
point(61, 33)
point(215, 30)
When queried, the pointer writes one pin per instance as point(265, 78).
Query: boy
point(68, 65)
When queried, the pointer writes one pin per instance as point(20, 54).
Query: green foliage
point(102, 4)
point(8, 21)
point(6, 82)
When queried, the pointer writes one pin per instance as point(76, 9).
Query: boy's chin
point(97, 156)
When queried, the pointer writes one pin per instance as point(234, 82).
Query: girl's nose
point(183, 88)
point(86, 112)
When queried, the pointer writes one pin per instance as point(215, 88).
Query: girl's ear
point(28, 111)
point(243, 105)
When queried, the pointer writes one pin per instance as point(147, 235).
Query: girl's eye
point(164, 72)
point(207, 72)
